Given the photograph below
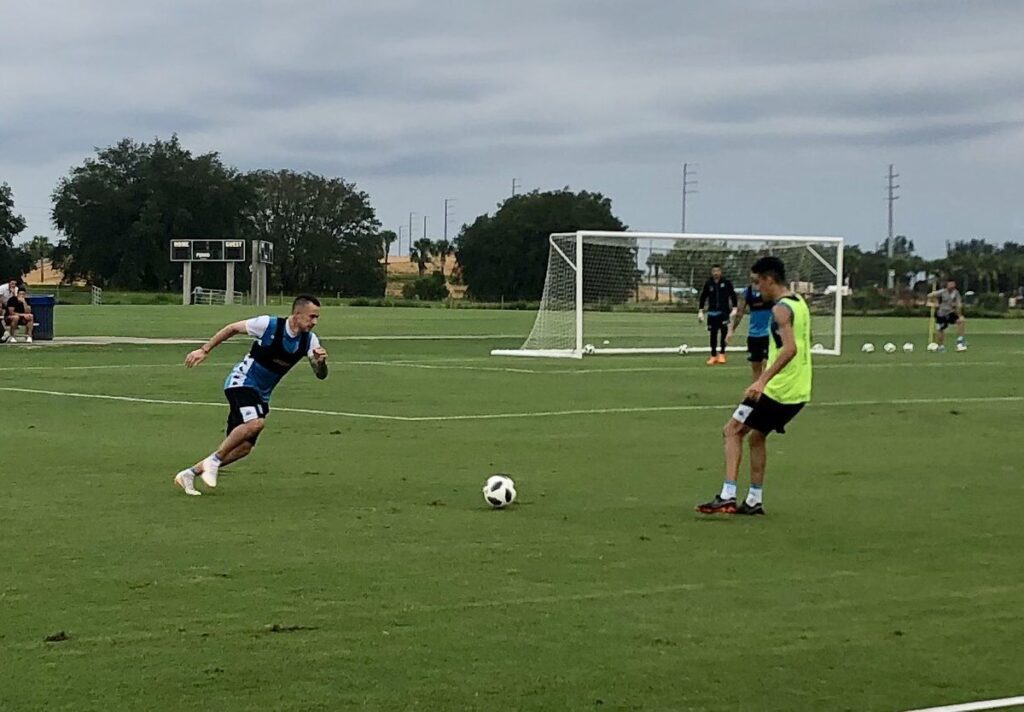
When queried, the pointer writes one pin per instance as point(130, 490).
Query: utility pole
point(399, 248)
point(689, 171)
point(424, 227)
point(448, 203)
point(892, 201)
point(410, 231)
point(515, 184)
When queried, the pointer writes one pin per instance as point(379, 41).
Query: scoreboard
point(207, 251)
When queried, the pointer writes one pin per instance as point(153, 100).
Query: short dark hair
point(302, 300)
point(770, 266)
point(716, 266)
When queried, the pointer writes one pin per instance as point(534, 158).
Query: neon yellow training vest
point(793, 383)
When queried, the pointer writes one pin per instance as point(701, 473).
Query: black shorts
point(244, 405)
point(718, 321)
point(945, 321)
point(757, 349)
point(765, 415)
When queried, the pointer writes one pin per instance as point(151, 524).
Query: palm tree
point(443, 249)
point(40, 249)
point(655, 261)
point(420, 252)
point(387, 238)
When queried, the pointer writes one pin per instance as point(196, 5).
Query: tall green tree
point(120, 210)
point(505, 255)
point(14, 261)
point(325, 233)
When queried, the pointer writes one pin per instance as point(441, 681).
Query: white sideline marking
point(971, 706)
point(454, 365)
point(506, 416)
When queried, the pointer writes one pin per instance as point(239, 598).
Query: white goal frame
point(576, 260)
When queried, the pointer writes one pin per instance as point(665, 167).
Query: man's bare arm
point(196, 357)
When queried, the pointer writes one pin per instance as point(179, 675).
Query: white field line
point(972, 706)
point(508, 416)
point(456, 365)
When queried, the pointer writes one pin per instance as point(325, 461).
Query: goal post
point(619, 293)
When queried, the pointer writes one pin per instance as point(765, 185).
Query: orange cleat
point(721, 358)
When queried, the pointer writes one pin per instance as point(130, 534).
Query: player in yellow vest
point(775, 398)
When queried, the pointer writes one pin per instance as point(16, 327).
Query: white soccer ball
point(889, 348)
point(499, 491)
point(817, 347)
point(588, 349)
point(933, 347)
point(908, 348)
point(684, 349)
point(868, 348)
point(606, 342)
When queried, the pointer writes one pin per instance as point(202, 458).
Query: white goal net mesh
point(640, 292)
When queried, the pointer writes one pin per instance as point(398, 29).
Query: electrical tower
point(689, 171)
point(892, 201)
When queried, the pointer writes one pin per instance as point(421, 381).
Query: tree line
point(118, 211)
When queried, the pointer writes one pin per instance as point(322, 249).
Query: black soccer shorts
point(244, 405)
point(766, 415)
point(757, 348)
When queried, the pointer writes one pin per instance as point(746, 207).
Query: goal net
point(638, 293)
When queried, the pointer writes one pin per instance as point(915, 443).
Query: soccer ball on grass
point(908, 348)
point(868, 348)
point(889, 348)
point(499, 491)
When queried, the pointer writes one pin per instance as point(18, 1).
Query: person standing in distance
point(774, 399)
point(949, 312)
point(720, 297)
point(280, 343)
point(760, 322)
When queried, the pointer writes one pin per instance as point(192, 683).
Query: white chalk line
point(973, 706)
point(510, 416)
point(456, 365)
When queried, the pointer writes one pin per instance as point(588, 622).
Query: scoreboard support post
point(229, 281)
point(186, 283)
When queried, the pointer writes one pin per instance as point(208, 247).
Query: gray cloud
point(418, 101)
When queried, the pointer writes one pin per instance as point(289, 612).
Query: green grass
point(351, 563)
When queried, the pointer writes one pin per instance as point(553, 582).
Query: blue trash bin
point(42, 313)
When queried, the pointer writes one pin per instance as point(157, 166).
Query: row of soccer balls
point(890, 348)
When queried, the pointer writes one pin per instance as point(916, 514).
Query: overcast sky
point(792, 108)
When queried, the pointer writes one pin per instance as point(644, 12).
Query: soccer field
point(351, 562)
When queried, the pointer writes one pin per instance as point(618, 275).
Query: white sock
point(728, 490)
point(754, 496)
point(215, 457)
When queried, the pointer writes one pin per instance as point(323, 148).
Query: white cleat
point(187, 481)
point(13, 340)
point(28, 339)
point(209, 473)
